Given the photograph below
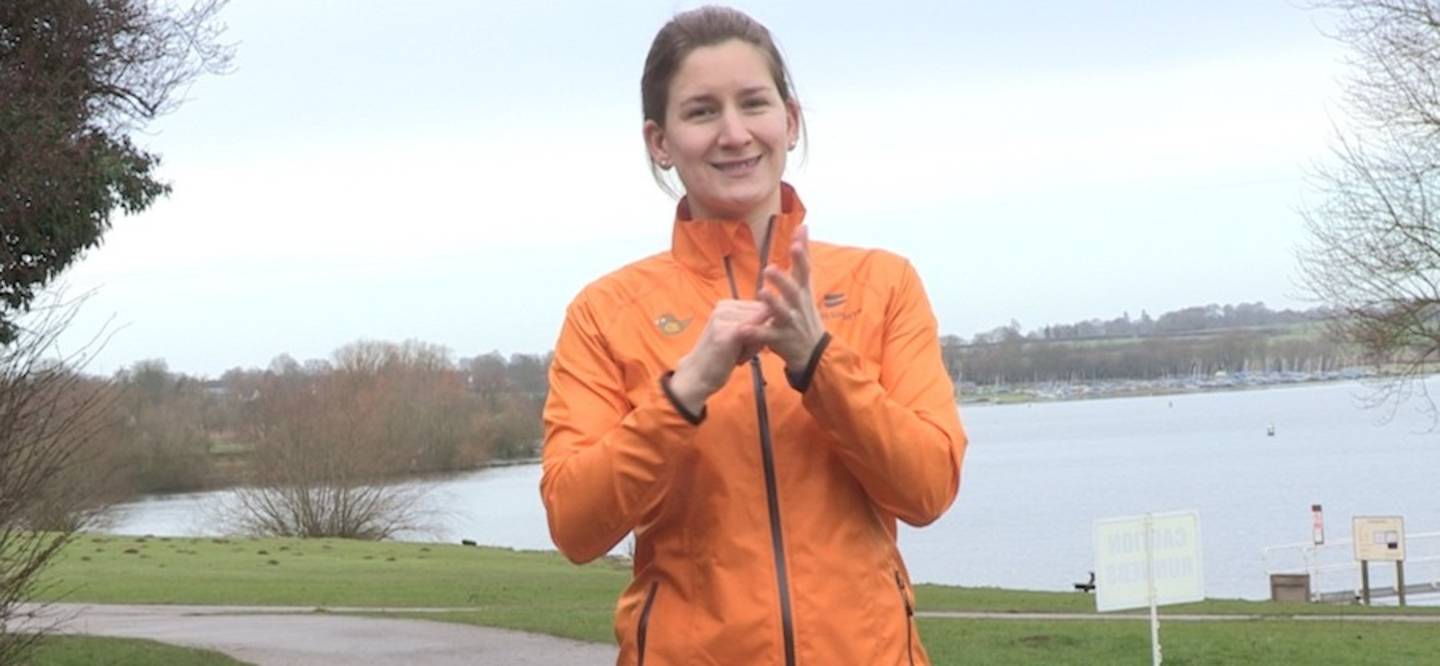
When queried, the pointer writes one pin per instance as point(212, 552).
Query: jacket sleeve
point(901, 435)
point(606, 462)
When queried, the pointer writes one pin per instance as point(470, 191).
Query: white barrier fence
point(1335, 574)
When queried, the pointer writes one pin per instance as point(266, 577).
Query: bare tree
point(1373, 254)
point(332, 449)
point(49, 417)
point(317, 470)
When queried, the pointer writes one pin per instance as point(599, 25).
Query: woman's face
point(726, 132)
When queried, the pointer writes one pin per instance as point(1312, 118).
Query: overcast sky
point(456, 171)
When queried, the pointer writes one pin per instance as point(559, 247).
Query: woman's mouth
point(737, 167)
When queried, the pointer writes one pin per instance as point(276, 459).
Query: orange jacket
point(753, 547)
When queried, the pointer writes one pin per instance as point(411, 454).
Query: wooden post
point(1400, 580)
point(1365, 580)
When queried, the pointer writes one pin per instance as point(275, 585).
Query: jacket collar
point(701, 245)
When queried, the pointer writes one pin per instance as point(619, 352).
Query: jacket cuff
point(675, 402)
point(800, 379)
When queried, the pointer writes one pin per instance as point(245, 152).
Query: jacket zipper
point(909, 619)
point(767, 456)
point(645, 622)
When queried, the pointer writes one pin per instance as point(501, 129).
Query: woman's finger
point(793, 293)
point(800, 256)
point(762, 336)
point(761, 314)
point(779, 310)
point(737, 313)
point(749, 345)
point(732, 307)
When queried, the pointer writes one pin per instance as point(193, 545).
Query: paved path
point(269, 636)
point(299, 636)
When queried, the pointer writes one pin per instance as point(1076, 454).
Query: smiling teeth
point(733, 166)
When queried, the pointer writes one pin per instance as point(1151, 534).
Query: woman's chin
point(743, 204)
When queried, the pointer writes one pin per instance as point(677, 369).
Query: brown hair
point(705, 26)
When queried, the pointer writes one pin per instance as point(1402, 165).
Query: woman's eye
point(698, 112)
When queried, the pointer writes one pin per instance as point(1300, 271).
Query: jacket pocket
point(644, 625)
point(909, 618)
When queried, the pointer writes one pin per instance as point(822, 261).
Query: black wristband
point(665, 386)
point(801, 380)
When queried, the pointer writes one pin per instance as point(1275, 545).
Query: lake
point(1037, 475)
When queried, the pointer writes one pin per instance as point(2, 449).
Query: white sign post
point(1150, 560)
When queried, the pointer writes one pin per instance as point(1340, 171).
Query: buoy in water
point(1270, 431)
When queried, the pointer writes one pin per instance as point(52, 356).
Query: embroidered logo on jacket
point(832, 302)
point(670, 325)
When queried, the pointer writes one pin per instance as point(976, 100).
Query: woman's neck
point(759, 224)
point(758, 220)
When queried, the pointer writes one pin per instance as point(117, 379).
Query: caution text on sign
point(1123, 571)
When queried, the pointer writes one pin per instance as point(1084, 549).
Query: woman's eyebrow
point(699, 98)
point(710, 97)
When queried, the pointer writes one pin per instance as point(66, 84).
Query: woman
point(763, 499)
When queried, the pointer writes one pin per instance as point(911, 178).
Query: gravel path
point(270, 636)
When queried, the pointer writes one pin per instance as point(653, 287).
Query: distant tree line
point(1191, 342)
point(1186, 320)
point(373, 410)
point(1021, 360)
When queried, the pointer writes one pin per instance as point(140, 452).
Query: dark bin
point(1290, 587)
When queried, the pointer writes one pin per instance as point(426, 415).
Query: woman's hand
point(795, 327)
point(730, 338)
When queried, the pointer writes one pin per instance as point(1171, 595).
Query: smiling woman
point(764, 516)
point(727, 132)
point(732, 120)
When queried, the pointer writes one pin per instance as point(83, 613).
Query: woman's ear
point(655, 144)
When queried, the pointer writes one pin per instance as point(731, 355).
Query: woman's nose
point(732, 129)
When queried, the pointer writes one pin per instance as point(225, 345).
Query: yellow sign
point(1379, 538)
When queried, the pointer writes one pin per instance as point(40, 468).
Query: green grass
point(947, 598)
point(99, 651)
point(1183, 643)
point(543, 592)
point(1107, 642)
point(320, 572)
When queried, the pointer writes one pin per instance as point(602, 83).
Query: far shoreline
point(1027, 394)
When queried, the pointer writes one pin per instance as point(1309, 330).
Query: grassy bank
point(93, 650)
point(948, 598)
point(542, 592)
point(1184, 643)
